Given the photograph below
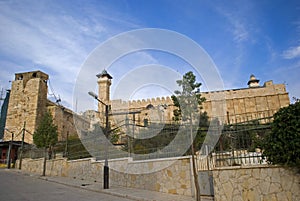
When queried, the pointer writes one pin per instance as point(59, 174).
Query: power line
point(57, 99)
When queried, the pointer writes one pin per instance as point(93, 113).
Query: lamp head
point(93, 94)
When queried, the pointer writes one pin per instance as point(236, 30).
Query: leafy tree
point(45, 136)
point(282, 145)
point(188, 102)
point(189, 99)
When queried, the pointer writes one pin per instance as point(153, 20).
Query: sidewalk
point(129, 193)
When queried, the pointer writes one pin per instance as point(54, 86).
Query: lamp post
point(106, 168)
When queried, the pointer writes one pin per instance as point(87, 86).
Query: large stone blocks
point(168, 175)
point(257, 183)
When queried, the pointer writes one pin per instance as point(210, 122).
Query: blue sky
point(241, 37)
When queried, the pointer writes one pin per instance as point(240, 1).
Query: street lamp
point(106, 168)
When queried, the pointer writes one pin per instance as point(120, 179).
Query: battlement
point(268, 89)
point(143, 103)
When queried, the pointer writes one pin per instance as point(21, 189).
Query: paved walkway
point(130, 193)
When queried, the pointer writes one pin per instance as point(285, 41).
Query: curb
point(131, 197)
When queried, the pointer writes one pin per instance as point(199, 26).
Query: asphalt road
point(15, 186)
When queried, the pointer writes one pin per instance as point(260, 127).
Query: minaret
point(104, 82)
point(253, 82)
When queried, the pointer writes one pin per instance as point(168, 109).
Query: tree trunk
point(197, 187)
point(44, 165)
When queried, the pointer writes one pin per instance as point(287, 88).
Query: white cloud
point(54, 38)
point(239, 30)
point(292, 53)
point(238, 26)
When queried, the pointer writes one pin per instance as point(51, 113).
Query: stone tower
point(27, 103)
point(104, 82)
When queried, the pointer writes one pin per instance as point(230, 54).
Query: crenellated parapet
point(140, 104)
point(229, 106)
point(151, 110)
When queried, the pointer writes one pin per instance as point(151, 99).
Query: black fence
point(237, 145)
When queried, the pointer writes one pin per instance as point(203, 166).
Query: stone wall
point(66, 121)
point(169, 175)
point(240, 105)
point(265, 183)
point(174, 176)
point(28, 102)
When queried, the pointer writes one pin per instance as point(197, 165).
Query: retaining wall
point(265, 183)
point(174, 176)
point(168, 175)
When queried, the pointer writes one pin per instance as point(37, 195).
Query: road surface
point(15, 186)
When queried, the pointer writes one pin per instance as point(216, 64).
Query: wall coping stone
point(249, 167)
point(130, 160)
point(162, 159)
point(79, 160)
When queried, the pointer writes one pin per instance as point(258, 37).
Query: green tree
point(282, 144)
point(188, 102)
point(45, 136)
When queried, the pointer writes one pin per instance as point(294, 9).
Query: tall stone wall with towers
point(28, 102)
point(236, 105)
point(250, 103)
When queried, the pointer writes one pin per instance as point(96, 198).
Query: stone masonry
point(229, 106)
point(171, 175)
point(265, 183)
point(257, 183)
point(27, 103)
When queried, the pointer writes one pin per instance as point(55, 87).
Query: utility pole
point(22, 146)
point(133, 128)
point(67, 144)
point(9, 150)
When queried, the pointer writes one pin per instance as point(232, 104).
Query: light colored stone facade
point(257, 183)
point(64, 119)
point(229, 106)
point(250, 103)
point(265, 183)
point(169, 175)
point(28, 102)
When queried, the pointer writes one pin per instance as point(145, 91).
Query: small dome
point(253, 82)
point(104, 74)
point(252, 77)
